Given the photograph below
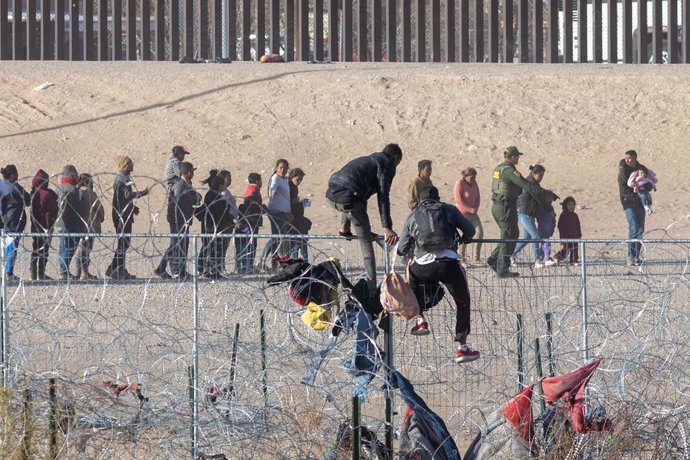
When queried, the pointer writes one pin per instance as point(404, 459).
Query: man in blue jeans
point(632, 205)
point(71, 218)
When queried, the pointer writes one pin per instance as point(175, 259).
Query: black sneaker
point(508, 275)
point(162, 274)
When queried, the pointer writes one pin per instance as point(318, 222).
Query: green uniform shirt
point(507, 183)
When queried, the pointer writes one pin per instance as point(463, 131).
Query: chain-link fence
point(147, 366)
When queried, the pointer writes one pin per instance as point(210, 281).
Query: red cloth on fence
point(571, 389)
point(518, 411)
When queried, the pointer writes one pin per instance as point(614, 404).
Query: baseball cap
point(180, 150)
point(511, 151)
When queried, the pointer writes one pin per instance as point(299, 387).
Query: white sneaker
point(512, 261)
point(550, 263)
point(648, 209)
point(538, 264)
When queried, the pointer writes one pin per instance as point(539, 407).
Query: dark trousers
point(40, 246)
point(568, 250)
point(451, 274)
point(354, 214)
point(83, 254)
point(176, 254)
point(123, 242)
point(212, 255)
point(505, 215)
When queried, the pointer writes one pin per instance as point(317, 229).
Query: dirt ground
point(576, 120)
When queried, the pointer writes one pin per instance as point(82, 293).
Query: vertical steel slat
point(627, 32)
point(538, 32)
point(686, 31)
point(32, 42)
point(494, 30)
point(464, 30)
point(74, 51)
point(479, 30)
point(362, 31)
point(160, 30)
point(246, 29)
point(17, 32)
point(673, 48)
point(145, 30)
point(5, 36)
point(202, 38)
point(508, 36)
point(47, 39)
point(274, 10)
point(568, 38)
point(61, 52)
point(436, 30)
point(89, 37)
point(642, 36)
point(392, 30)
point(232, 29)
point(102, 33)
point(334, 31)
point(420, 28)
point(131, 30)
point(260, 28)
point(582, 31)
point(188, 28)
point(523, 30)
point(407, 31)
point(303, 21)
point(347, 31)
point(553, 31)
point(377, 30)
point(598, 26)
point(318, 30)
point(612, 21)
point(451, 31)
point(657, 38)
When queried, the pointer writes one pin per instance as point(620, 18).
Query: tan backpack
point(397, 297)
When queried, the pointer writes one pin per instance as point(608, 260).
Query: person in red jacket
point(568, 228)
point(44, 211)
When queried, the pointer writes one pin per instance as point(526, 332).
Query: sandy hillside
point(577, 120)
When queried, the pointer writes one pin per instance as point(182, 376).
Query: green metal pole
point(356, 429)
point(520, 357)
point(540, 374)
point(190, 396)
point(549, 346)
point(262, 329)
point(53, 422)
point(233, 361)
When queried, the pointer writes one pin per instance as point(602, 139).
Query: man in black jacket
point(123, 215)
point(182, 200)
point(634, 210)
point(348, 192)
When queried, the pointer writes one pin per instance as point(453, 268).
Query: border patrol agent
point(506, 185)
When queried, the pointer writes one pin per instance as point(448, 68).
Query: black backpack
point(434, 232)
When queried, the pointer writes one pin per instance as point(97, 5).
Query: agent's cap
point(512, 151)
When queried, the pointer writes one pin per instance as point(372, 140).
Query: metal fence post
point(520, 356)
point(388, 348)
point(585, 312)
point(195, 348)
point(4, 316)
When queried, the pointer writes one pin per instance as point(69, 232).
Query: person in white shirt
point(279, 213)
point(429, 237)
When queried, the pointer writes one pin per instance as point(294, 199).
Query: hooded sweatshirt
point(13, 210)
point(44, 205)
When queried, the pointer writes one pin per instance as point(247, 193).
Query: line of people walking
point(74, 207)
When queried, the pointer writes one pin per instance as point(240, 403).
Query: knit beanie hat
point(122, 161)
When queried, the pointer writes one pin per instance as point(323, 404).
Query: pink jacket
point(466, 197)
point(636, 181)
